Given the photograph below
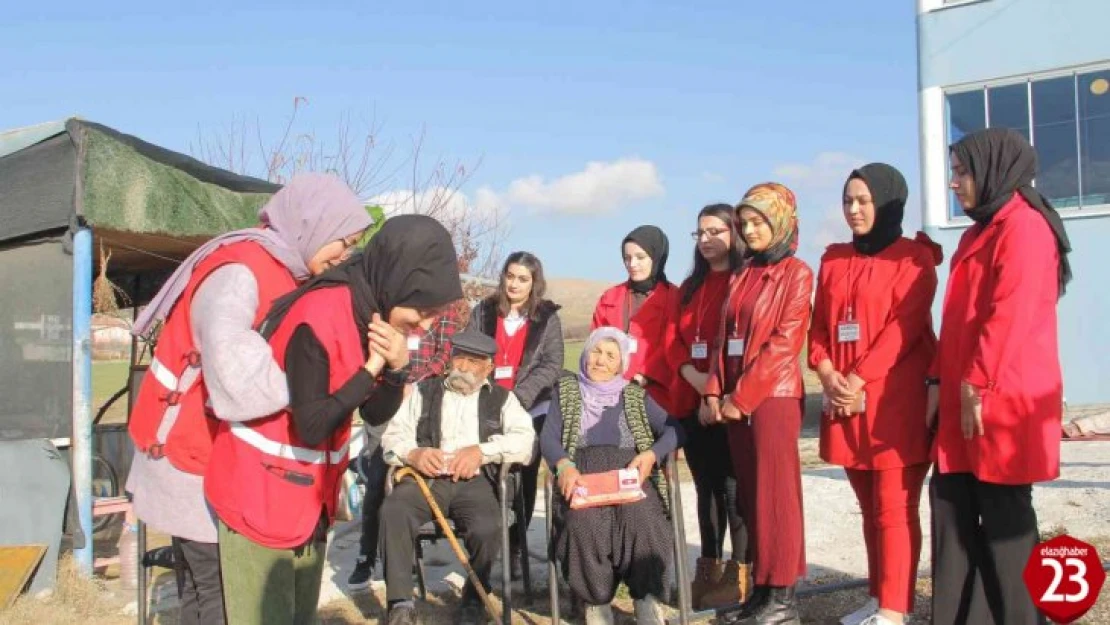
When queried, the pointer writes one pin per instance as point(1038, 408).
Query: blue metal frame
point(81, 451)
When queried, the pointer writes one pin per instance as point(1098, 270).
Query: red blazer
point(891, 295)
point(648, 326)
point(663, 365)
point(998, 332)
point(774, 340)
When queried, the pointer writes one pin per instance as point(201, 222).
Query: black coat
point(543, 349)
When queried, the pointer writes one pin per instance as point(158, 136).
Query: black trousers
point(472, 505)
point(707, 455)
point(376, 472)
point(529, 482)
point(199, 582)
point(982, 536)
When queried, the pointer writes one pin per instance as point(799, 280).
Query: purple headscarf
point(597, 396)
point(309, 212)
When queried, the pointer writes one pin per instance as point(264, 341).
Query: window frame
point(1077, 212)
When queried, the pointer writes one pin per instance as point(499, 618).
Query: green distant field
point(572, 351)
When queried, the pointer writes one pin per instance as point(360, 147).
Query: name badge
point(736, 347)
point(633, 345)
point(503, 373)
point(847, 331)
point(414, 343)
point(699, 350)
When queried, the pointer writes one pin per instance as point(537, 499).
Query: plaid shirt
point(435, 348)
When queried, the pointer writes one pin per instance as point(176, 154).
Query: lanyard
point(744, 289)
point(853, 287)
point(627, 317)
point(701, 308)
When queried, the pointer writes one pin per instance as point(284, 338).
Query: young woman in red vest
point(640, 305)
point(341, 339)
point(690, 343)
point(209, 352)
point(871, 343)
point(529, 359)
point(997, 383)
point(756, 386)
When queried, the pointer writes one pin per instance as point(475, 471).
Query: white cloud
point(600, 187)
point(443, 203)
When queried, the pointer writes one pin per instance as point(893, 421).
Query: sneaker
point(360, 577)
point(859, 616)
point(877, 619)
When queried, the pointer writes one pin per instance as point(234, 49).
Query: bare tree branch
point(372, 170)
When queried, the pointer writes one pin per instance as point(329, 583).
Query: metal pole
point(140, 538)
point(506, 552)
point(679, 527)
point(552, 569)
point(81, 453)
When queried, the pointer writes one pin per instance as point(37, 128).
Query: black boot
point(758, 597)
point(780, 607)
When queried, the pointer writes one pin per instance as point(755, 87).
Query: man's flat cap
point(472, 342)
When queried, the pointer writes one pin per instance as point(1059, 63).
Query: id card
point(847, 331)
point(699, 350)
point(633, 345)
point(414, 343)
point(503, 373)
point(736, 347)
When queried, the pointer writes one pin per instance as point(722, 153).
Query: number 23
point(1080, 577)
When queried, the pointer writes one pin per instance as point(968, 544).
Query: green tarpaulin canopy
point(148, 206)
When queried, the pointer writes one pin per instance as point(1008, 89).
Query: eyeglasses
point(708, 232)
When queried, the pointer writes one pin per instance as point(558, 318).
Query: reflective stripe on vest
point(164, 376)
point(178, 387)
point(269, 447)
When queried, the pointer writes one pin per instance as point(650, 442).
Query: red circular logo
point(1064, 576)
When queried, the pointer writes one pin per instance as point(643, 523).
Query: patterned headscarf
point(778, 206)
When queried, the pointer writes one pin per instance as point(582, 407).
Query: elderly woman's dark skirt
point(600, 547)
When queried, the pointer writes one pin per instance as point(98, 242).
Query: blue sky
point(675, 107)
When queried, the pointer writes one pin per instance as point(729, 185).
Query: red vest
point(263, 481)
point(168, 418)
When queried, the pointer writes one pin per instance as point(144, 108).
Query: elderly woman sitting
point(600, 422)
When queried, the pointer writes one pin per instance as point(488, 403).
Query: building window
point(1065, 118)
point(967, 113)
point(1055, 140)
point(1094, 137)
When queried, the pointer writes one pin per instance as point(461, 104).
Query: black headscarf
point(888, 193)
point(655, 244)
point(1001, 161)
point(410, 262)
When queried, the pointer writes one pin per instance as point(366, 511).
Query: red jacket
point(263, 481)
point(647, 327)
point(998, 332)
point(774, 340)
point(168, 418)
point(697, 320)
point(891, 296)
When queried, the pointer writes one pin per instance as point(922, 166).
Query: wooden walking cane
point(460, 553)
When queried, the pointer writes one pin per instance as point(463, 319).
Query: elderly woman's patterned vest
point(635, 415)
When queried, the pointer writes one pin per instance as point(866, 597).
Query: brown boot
point(706, 577)
point(732, 588)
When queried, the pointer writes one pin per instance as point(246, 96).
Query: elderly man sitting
point(454, 430)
